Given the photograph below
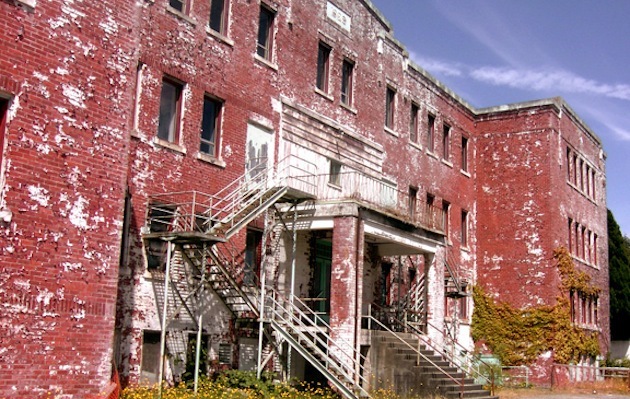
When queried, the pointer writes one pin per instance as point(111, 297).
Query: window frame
point(464, 233)
point(347, 82)
point(222, 19)
point(217, 116)
point(4, 111)
point(413, 123)
point(430, 132)
point(390, 107)
point(446, 141)
point(334, 172)
point(465, 161)
point(185, 6)
point(265, 47)
point(176, 114)
point(323, 67)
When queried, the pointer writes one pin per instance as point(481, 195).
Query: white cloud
point(549, 80)
point(437, 67)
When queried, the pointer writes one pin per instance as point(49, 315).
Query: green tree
point(619, 272)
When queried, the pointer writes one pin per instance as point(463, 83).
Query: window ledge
point(447, 163)
point(348, 108)
point(415, 145)
point(135, 133)
point(432, 155)
point(266, 62)
point(582, 192)
point(169, 145)
point(335, 186)
point(30, 4)
point(392, 132)
point(465, 173)
point(181, 15)
point(219, 36)
point(324, 94)
point(211, 160)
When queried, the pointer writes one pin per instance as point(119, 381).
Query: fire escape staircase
point(199, 226)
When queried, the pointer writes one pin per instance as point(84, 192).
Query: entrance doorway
point(321, 278)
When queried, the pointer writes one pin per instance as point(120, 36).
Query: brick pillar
point(346, 280)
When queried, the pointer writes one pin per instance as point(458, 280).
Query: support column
point(346, 281)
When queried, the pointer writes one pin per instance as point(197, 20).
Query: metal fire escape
point(193, 230)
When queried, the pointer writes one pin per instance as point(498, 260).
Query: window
point(446, 207)
point(265, 32)
point(334, 176)
point(170, 110)
point(179, 5)
point(430, 132)
point(413, 195)
point(464, 231)
point(390, 99)
point(413, 123)
point(161, 218)
point(210, 126)
point(465, 154)
point(4, 106)
point(218, 16)
point(446, 142)
point(347, 70)
point(323, 63)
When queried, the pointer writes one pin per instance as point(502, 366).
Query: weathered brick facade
point(83, 91)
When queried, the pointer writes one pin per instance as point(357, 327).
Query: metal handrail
point(416, 350)
point(490, 380)
point(306, 318)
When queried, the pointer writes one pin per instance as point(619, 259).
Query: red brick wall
point(64, 66)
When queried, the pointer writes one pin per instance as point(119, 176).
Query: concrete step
point(478, 394)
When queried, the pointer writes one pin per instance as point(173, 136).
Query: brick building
point(174, 163)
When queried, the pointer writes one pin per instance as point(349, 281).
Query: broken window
point(170, 110)
point(210, 126)
point(265, 32)
point(323, 64)
point(218, 16)
point(347, 71)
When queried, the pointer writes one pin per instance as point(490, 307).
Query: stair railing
point(466, 361)
point(310, 328)
point(416, 350)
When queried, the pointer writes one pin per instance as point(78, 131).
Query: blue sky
point(493, 52)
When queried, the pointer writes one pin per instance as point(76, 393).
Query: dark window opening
point(265, 32)
point(413, 123)
point(218, 16)
point(430, 132)
point(323, 65)
point(210, 126)
point(347, 69)
point(390, 100)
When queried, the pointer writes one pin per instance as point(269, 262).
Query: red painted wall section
point(65, 68)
